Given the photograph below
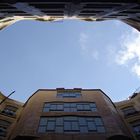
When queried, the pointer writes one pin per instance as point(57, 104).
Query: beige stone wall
point(11, 119)
point(30, 116)
point(135, 102)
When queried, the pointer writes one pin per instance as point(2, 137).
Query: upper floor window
point(136, 128)
point(69, 94)
point(9, 110)
point(3, 127)
point(71, 124)
point(69, 107)
point(129, 111)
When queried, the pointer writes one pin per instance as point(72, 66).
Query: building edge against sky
point(12, 11)
point(10, 111)
point(72, 114)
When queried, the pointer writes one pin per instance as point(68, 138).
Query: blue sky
point(69, 54)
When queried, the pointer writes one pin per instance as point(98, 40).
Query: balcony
point(8, 113)
point(132, 114)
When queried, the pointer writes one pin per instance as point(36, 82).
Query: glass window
point(129, 110)
point(4, 123)
point(71, 124)
point(51, 126)
point(80, 107)
point(60, 107)
point(75, 126)
point(69, 95)
point(10, 110)
point(2, 131)
point(69, 107)
point(3, 127)
point(43, 121)
point(86, 107)
point(59, 121)
point(53, 107)
point(82, 121)
point(42, 129)
point(83, 129)
point(136, 128)
point(67, 126)
point(98, 121)
point(59, 129)
point(91, 126)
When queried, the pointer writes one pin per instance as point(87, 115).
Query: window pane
point(86, 107)
point(42, 129)
point(75, 126)
point(47, 105)
point(4, 123)
point(100, 129)
point(59, 95)
point(51, 126)
point(53, 107)
point(67, 109)
point(82, 121)
point(59, 121)
point(83, 129)
point(73, 105)
point(46, 109)
point(43, 121)
point(90, 119)
point(60, 107)
point(66, 104)
point(91, 126)
point(98, 121)
point(93, 109)
point(92, 105)
point(73, 110)
point(67, 126)
point(59, 129)
point(66, 95)
point(79, 107)
point(72, 95)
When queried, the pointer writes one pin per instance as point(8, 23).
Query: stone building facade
point(72, 114)
point(127, 11)
point(130, 112)
point(10, 111)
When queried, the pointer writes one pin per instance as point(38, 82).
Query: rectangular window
point(69, 107)
point(136, 128)
point(69, 95)
point(130, 110)
point(66, 124)
point(3, 127)
point(9, 110)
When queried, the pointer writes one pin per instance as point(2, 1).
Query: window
point(3, 127)
point(69, 107)
point(129, 111)
point(71, 124)
point(136, 128)
point(69, 95)
point(9, 110)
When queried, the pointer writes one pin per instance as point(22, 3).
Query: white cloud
point(83, 41)
point(136, 69)
point(85, 48)
point(130, 51)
